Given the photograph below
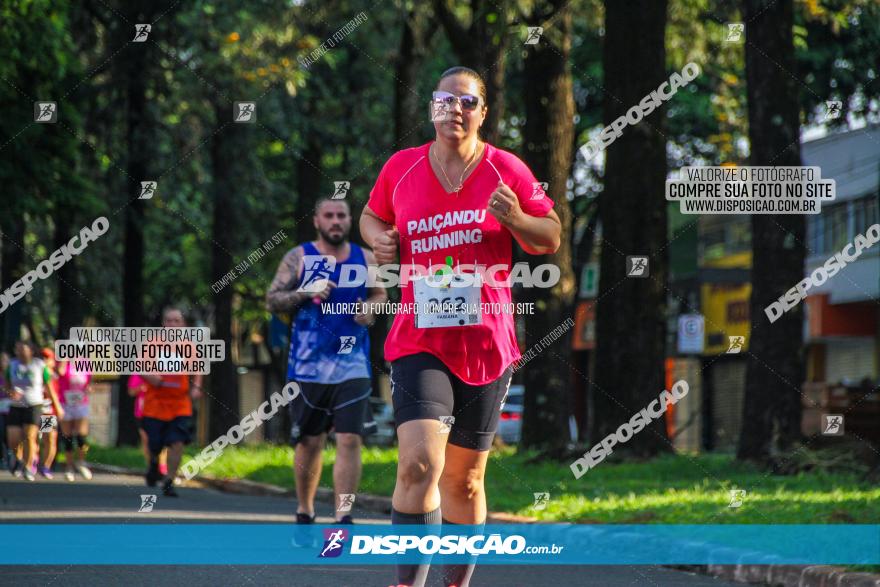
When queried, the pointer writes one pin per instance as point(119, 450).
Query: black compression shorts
point(423, 388)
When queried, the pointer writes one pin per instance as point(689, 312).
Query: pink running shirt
point(408, 195)
point(72, 386)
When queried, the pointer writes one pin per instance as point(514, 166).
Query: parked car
point(510, 425)
point(386, 431)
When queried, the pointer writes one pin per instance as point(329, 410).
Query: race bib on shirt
point(440, 305)
point(74, 398)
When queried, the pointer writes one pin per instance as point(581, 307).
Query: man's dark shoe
point(168, 489)
point(153, 475)
point(304, 537)
point(345, 520)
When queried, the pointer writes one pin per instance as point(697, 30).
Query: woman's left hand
point(503, 204)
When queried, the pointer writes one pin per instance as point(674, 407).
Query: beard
point(334, 239)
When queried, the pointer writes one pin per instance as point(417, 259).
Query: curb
point(373, 503)
point(787, 575)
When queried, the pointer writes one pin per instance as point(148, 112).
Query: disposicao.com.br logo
point(334, 541)
point(473, 545)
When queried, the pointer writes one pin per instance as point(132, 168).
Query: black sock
point(459, 574)
point(415, 575)
point(153, 471)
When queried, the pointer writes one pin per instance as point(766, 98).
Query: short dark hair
point(28, 344)
point(323, 199)
point(466, 71)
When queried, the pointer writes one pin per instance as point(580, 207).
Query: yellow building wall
point(726, 306)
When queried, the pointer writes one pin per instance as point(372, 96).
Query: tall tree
point(69, 301)
point(135, 70)
point(12, 229)
point(481, 44)
point(228, 183)
point(631, 312)
point(775, 368)
point(409, 107)
point(38, 167)
point(548, 149)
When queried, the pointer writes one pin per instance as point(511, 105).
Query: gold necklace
point(460, 179)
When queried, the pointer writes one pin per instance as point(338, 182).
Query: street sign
point(589, 281)
point(691, 332)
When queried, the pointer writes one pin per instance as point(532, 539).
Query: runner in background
point(329, 356)
point(26, 378)
point(7, 458)
point(167, 415)
point(137, 388)
point(49, 429)
point(450, 371)
point(73, 389)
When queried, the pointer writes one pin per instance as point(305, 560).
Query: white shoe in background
point(84, 471)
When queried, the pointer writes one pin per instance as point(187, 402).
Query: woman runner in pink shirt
point(462, 200)
point(74, 387)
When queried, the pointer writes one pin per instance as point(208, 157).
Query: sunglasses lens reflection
point(469, 102)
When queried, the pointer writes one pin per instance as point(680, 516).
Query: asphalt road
point(115, 499)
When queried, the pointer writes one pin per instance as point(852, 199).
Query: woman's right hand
point(385, 246)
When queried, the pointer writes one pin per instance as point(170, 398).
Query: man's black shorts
point(343, 406)
point(423, 388)
point(162, 433)
point(29, 416)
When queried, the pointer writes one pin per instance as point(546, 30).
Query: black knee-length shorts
point(423, 388)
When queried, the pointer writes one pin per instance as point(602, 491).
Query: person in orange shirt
point(167, 413)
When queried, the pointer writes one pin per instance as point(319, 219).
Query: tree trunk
point(140, 130)
point(410, 110)
point(228, 183)
point(12, 225)
point(482, 46)
point(631, 312)
point(775, 368)
point(310, 183)
point(548, 138)
point(310, 187)
point(69, 301)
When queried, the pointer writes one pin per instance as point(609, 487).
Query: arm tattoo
point(282, 295)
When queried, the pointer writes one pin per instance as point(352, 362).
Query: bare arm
point(372, 226)
point(53, 397)
point(196, 388)
point(380, 236)
point(537, 235)
point(282, 295)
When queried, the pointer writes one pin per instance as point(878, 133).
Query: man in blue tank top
point(329, 354)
